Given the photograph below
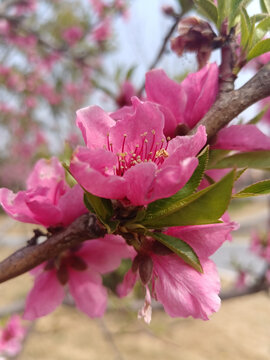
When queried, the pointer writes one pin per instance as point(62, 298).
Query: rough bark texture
point(230, 104)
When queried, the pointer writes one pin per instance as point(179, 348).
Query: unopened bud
point(62, 274)
point(145, 269)
point(168, 10)
point(195, 35)
point(135, 263)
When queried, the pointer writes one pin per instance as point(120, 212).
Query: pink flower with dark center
point(48, 199)
point(131, 159)
point(79, 271)
point(11, 337)
point(182, 290)
point(185, 104)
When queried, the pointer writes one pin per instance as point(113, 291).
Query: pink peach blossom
point(182, 290)
point(185, 103)
point(102, 31)
point(242, 138)
point(11, 337)
point(127, 91)
point(130, 159)
point(72, 34)
point(79, 271)
point(48, 199)
point(260, 245)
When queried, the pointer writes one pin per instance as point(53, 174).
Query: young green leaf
point(245, 28)
point(180, 248)
point(260, 48)
point(265, 6)
point(188, 189)
point(208, 8)
point(236, 6)
point(203, 207)
point(258, 17)
point(251, 159)
point(215, 156)
point(103, 209)
point(262, 28)
point(260, 188)
point(223, 7)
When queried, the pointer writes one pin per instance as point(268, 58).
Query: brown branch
point(163, 46)
point(230, 104)
point(84, 228)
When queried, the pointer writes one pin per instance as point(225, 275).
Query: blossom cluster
point(44, 52)
point(135, 156)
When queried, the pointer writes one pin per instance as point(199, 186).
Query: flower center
point(146, 151)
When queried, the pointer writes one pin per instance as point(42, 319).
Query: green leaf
point(215, 156)
point(208, 8)
point(245, 27)
point(265, 6)
point(187, 190)
point(203, 207)
point(223, 11)
point(258, 17)
point(100, 206)
point(251, 35)
point(260, 188)
point(130, 72)
point(180, 248)
point(103, 209)
point(234, 10)
point(258, 117)
point(251, 159)
point(186, 5)
point(262, 28)
point(260, 48)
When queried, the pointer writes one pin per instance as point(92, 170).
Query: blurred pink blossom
point(78, 271)
point(73, 34)
point(102, 31)
point(11, 337)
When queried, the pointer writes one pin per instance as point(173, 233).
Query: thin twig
point(162, 47)
point(108, 336)
point(84, 228)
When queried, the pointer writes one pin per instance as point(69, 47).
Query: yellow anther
point(162, 153)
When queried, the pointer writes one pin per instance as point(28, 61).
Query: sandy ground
point(239, 331)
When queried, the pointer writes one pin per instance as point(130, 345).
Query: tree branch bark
point(86, 227)
point(230, 104)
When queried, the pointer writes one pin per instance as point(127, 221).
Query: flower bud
point(145, 269)
point(195, 35)
point(62, 274)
